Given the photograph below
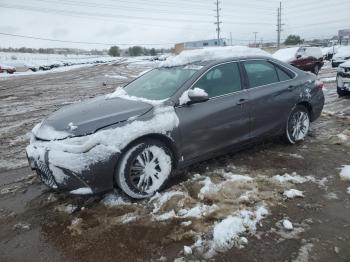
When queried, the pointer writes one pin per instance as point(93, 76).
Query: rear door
point(272, 96)
point(221, 121)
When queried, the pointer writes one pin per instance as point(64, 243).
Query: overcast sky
point(164, 22)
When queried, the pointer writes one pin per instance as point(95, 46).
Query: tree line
point(135, 51)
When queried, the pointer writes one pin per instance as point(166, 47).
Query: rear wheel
point(298, 124)
point(144, 168)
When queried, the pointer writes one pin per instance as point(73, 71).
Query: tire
point(144, 168)
point(298, 124)
point(316, 69)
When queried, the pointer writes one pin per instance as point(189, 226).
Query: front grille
point(45, 174)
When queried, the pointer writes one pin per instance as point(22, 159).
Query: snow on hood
point(286, 54)
point(88, 116)
point(211, 53)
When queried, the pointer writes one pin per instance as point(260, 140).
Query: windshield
point(160, 83)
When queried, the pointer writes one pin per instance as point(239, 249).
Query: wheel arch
point(168, 142)
point(308, 106)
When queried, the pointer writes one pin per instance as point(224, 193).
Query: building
point(344, 36)
point(198, 44)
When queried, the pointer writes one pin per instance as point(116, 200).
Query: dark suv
point(306, 58)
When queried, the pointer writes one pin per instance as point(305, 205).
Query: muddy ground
point(37, 224)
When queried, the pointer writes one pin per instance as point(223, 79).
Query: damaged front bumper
point(74, 173)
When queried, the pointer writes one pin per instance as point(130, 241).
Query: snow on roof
point(286, 54)
point(343, 51)
point(212, 53)
point(346, 64)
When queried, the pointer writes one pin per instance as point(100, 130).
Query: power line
point(108, 15)
point(82, 42)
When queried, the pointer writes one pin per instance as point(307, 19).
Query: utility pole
point(231, 38)
point(279, 25)
point(218, 22)
point(255, 33)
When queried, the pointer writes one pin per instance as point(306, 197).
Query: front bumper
point(59, 170)
point(343, 81)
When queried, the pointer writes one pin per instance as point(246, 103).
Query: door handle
point(242, 101)
point(291, 87)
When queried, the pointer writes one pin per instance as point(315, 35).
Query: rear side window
point(260, 73)
point(283, 76)
point(221, 80)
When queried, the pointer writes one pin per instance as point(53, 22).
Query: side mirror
point(197, 95)
point(192, 96)
point(298, 56)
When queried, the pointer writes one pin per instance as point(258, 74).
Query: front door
point(221, 121)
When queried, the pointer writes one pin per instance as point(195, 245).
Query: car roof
point(233, 58)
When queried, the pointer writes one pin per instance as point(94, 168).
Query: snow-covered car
point(342, 55)
point(197, 105)
point(307, 58)
point(343, 79)
point(7, 69)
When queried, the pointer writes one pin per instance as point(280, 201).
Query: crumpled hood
point(87, 117)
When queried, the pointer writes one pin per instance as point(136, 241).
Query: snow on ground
point(328, 79)
point(218, 209)
point(212, 53)
point(292, 193)
point(345, 173)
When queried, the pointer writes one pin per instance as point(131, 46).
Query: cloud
point(8, 29)
point(59, 32)
point(112, 31)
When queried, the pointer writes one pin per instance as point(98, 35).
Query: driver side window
point(220, 80)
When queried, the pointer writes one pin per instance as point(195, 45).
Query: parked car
point(7, 69)
point(306, 58)
point(328, 52)
point(343, 79)
point(169, 118)
point(342, 55)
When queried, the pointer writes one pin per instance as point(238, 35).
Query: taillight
point(319, 84)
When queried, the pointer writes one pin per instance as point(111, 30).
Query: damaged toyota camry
point(188, 110)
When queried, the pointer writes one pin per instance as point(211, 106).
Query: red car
point(307, 58)
point(7, 69)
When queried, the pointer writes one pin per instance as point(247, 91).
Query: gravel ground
point(38, 224)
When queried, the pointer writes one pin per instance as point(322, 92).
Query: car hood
point(87, 117)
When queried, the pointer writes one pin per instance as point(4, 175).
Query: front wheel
point(298, 124)
point(144, 168)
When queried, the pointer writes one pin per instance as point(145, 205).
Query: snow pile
point(293, 193)
point(113, 199)
point(227, 232)
point(212, 53)
point(81, 191)
point(293, 178)
point(198, 211)
point(345, 173)
point(286, 54)
point(159, 200)
point(196, 92)
point(287, 224)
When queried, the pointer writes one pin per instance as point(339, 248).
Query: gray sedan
point(170, 118)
